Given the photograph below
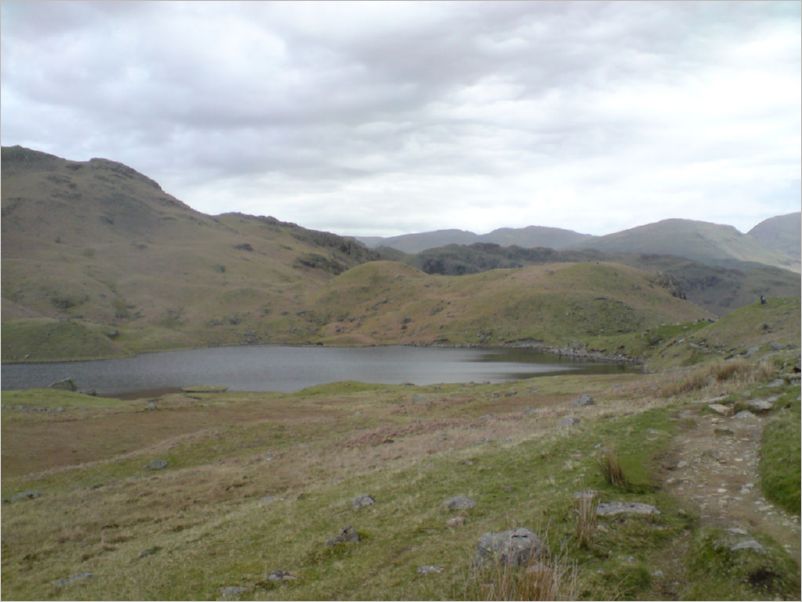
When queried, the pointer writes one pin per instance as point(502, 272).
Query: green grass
point(719, 573)
point(45, 339)
point(780, 453)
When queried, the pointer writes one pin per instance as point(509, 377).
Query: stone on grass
point(459, 502)
point(362, 501)
point(26, 495)
point(267, 500)
point(761, 406)
point(455, 521)
point(748, 544)
point(157, 464)
point(149, 551)
point(515, 548)
point(720, 409)
point(346, 535)
point(584, 400)
point(428, 569)
point(71, 579)
point(232, 592)
point(280, 576)
point(616, 508)
point(744, 415)
point(65, 385)
point(569, 421)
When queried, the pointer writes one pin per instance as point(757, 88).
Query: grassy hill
point(556, 304)
point(780, 233)
point(700, 241)
point(717, 289)
point(99, 244)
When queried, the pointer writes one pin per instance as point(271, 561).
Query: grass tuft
point(611, 469)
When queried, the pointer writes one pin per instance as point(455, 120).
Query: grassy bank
point(256, 483)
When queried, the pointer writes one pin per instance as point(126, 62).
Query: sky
point(388, 118)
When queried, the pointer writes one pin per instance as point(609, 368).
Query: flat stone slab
point(515, 548)
point(158, 464)
point(720, 409)
point(616, 508)
point(232, 592)
point(459, 502)
point(748, 544)
point(744, 415)
point(71, 579)
point(761, 406)
point(25, 495)
point(428, 569)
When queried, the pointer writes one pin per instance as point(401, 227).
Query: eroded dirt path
point(714, 466)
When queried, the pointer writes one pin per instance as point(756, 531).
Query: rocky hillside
point(717, 289)
point(100, 244)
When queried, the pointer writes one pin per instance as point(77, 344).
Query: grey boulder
point(515, 548)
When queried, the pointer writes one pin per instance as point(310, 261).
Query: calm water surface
point(279, 368)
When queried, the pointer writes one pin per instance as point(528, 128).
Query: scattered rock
point(745, 415)
point(149, 552)
point(736, 531)
point(72, 579)
point(25, 495)
point(777, 382)
point(157, 464)
point(720, 409)
point(584, 400)
point(751, 351)
point(615, 508)
point(569, 421)
point(517, 547)
point(267, 500)
point(761, 406)
point(152, 405)
point(428, 569)
point(748, 544)
point(348, 534)
point(775, 346)
point(362, 501)
point(459, 502)
point(232, 592)
point(281, 575)
point(455, 521)
point(65, 385)
point(682, 464)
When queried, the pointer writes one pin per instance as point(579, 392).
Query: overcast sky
point(373, 118)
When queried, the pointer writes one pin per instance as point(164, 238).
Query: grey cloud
point(547, 107)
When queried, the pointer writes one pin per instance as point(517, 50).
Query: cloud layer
point(374, 118)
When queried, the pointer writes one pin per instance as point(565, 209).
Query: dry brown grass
point(543, 579)
point(611, 469)
point(585, 512)
point(722, 374)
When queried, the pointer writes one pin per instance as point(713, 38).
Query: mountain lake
point(288, 369)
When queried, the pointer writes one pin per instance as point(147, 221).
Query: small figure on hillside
point(762, 300)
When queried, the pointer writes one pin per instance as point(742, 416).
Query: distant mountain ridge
point(774, 242)
point(709, 243)
point(528, 238)
point(780, 233)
